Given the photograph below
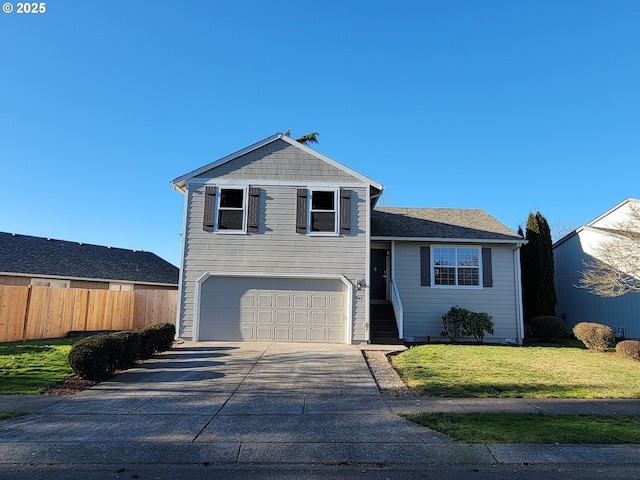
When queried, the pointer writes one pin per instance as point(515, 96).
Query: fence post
point(26, 314)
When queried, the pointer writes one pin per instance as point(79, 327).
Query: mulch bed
point(69, 386)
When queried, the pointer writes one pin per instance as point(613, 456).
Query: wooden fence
point(28, 313)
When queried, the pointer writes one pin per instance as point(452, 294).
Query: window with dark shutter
point(345, 211)
point(301, 211)
point(487, 268)
point(425, 266)
point(209, 208)
point(253, 210)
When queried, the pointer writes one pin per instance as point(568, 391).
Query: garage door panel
point(278, 309)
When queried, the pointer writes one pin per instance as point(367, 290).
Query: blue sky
point(509, 106)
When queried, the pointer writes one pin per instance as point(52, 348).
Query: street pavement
point(225, 407)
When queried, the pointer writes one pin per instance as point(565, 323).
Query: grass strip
point(29, 368)
point(489, 371)
point(5, 415)
point(532, 428)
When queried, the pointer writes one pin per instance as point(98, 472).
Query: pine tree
point(536, 261)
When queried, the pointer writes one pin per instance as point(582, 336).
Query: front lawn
point(533, 428)
point(445, 370)
point(33, 366)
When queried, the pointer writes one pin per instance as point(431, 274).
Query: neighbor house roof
point(37, 256)
point(451, 224)
point(179, 183)
point(591, 225)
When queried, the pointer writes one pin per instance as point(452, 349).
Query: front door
point(378, 274)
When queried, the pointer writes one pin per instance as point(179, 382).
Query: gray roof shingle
point(441, 223)
point(48, 257)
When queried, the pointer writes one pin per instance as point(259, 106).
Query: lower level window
point(456, 266)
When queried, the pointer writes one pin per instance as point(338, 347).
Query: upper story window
point(322, 214)
point(456, 266)
point(231, 210)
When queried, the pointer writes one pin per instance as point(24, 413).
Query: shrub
point(629, 349)
point(594, 335)
point(478, 324)
point(459, 322)
point(547, 327)
point(454, 322)
point(96, 357)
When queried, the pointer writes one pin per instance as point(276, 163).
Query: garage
point(250, 308)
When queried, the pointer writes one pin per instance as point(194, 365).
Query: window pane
point(322, 200)
point(230, 219)
point(231, 198)
point(468, 276)
point(468, 257)
point(323, 222)
point(444, 256)
point(444, 276)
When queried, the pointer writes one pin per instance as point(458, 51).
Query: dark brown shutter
point(487, 272)
point(301, 211)
point(345, 211)
point(253, 210)
point(425, 266)
point(209, 208)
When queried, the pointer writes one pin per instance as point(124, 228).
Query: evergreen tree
point(536, 262)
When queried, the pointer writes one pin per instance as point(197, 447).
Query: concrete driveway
point(227, 404)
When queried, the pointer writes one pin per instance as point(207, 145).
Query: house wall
point(579, 305)
point(425, 305)
point(22, 281)
point(276, 247)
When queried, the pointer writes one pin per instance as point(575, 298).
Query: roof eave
point(517, 241)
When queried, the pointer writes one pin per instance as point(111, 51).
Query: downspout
point(519, 308)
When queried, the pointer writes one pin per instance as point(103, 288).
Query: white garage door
point(273, 309)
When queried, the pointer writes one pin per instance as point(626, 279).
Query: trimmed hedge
point(629, 349)
point(595, 336)
point(98, 357)
point(547, 327)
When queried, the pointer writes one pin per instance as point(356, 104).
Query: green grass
point(533, 428)
point(478, 371)
point(33, 366)
point(5, 415)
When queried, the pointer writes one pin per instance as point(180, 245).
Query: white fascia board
point(179, 182)
point(451, 240)
point(611, 210)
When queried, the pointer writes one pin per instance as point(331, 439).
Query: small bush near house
point(478, 324)
point(629, 349)
point(547, 327)
point(98, 357)
point(459, 322)
point(594, 335)
point(453, 323)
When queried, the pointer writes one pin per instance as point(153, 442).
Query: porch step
point(383, 325)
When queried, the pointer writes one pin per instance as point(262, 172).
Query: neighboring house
point(577, 304)
point(26, 260)
point(282, 243)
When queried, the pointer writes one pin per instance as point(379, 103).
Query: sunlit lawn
point(533, 428)
point(33, 366)
point(529, 372)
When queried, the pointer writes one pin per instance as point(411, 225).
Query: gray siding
point(279, 161)
point(425, 305)
point(275, 248)
point(578, 305)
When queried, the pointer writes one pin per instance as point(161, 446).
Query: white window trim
point(456, 287)
point(117, 287)
point(336, 210)
point(66, 283)
point(245, 194)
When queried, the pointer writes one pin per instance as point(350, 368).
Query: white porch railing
point(398, 310)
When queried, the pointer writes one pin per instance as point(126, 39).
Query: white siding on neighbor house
point(579, 305)
point(425, 305)
point(275, 249)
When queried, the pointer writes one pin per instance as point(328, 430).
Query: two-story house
point(282, 243)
